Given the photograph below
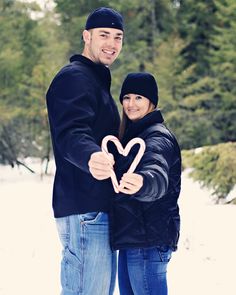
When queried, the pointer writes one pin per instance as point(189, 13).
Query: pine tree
point(199, 86)
point(224, 70)
point(30, 55)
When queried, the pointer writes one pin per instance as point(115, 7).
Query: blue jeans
point(143, 271)
point(88, 264)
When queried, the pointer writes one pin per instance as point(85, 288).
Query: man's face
point(103, 45)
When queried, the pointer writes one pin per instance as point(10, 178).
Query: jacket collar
point(137, 127)
point(100, 70)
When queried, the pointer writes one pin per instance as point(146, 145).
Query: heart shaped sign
point(124, 151)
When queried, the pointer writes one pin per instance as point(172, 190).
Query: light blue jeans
point(88, 264)
point(143, 271)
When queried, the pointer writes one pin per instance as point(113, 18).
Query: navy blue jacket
point(151, 216)
point(81, 112)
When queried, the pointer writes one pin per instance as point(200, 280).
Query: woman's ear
point(151, 107)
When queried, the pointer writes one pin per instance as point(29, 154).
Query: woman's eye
point(138, 97)
point(125, 97)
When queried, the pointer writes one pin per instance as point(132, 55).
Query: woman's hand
point(130, 183)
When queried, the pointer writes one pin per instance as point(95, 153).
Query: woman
point(145, 215)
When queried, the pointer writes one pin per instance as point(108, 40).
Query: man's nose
point(112, 42)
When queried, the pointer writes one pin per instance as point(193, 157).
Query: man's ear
point(86, 36)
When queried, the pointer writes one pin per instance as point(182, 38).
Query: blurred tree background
point(188, 45)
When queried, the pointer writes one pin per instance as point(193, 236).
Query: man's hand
point(101, 165)
point(130, 183)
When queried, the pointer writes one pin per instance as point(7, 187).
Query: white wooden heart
point(124, 151)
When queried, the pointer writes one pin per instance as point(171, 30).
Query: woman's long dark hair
point(123, 125)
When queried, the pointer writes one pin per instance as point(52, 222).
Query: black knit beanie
point(140, 83)
point(104, 17)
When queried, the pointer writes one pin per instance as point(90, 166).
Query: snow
point(30, 249)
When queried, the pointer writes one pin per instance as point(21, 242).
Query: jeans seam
point(82, 242)
point(67, 246)
point(145, 281)
point(68, 230)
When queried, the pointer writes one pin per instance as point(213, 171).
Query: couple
point(142, 220)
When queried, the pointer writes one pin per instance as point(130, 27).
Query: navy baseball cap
point(104, 17)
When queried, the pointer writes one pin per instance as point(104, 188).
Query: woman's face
point(136, 106)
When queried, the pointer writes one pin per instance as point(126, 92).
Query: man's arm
point(72, 110)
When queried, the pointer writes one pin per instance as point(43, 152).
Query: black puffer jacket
point(151, 216)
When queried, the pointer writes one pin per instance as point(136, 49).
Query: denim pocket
point(157, 261)
point(90, 217)
point(165, 256)
point(71, 272)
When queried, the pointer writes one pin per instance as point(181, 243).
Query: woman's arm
point(151, 178)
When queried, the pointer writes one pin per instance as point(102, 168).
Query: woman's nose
point(131, 102)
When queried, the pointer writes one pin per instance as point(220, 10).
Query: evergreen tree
point(200, 119)
point(188, 46)
point(52, 57)
point(223, 57)
point(30, 55)
point(14, 23)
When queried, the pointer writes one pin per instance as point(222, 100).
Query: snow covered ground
point(205, 263)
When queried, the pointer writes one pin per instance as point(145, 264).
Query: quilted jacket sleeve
point(154, 167)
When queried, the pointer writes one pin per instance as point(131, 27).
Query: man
point(81, 112)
